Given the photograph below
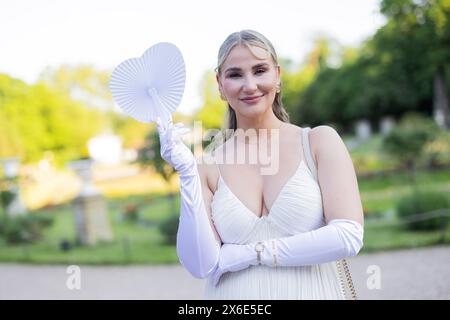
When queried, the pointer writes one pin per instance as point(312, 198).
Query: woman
point(265, 236)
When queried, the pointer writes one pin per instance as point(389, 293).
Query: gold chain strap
point(343, 263)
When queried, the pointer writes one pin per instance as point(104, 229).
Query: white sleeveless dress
point(298, 208)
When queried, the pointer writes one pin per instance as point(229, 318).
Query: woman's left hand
point(232, 258)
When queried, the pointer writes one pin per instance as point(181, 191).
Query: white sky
point(40, 33)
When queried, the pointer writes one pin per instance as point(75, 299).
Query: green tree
point(418, 36)
point(212, 113)
point(404, 67)
point(149, 156)
point(132, 132)
point(82, 83)
point(37, 119)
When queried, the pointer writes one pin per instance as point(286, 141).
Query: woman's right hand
point(173, 150)
point(232, 258)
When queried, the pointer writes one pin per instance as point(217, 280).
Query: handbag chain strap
point(343, 263)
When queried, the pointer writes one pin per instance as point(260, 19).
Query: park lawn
point(397, 237)
point(133, 242)
point(400, 179)
point(142, 252)
point(139, 245)
point(142, 243)
point(383, 201)
point(380, 194)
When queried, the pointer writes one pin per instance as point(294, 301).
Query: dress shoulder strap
point(307, 151)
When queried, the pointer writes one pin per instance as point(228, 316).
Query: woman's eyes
point(235, 75)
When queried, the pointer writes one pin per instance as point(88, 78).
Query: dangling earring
point(278, 88)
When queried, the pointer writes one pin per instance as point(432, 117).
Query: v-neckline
point(264, 216)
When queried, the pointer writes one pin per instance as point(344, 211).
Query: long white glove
point(234, 257)
point(197, 247)
point(339, 239)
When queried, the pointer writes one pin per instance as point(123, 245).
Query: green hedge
point(422, 202)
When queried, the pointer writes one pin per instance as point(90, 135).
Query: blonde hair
point(250, 38)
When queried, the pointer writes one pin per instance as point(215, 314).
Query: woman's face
point(248, 82)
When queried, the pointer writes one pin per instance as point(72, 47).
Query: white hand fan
point(150, 86)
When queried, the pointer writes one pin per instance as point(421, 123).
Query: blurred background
point(82, 184)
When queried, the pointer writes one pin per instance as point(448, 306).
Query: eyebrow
point(264, 64)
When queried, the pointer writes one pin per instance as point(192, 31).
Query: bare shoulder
point(323, 133)
point(323, 138)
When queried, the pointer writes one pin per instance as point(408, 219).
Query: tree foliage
point(35, 119)
point(393, 71)
point(212, 113)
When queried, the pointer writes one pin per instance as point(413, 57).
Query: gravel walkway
point(406, 274)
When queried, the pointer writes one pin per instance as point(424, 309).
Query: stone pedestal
point(91, 218)
point(90, 208)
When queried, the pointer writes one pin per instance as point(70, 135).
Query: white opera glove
point(173, 150)
point(234, 257)
point(340, 238)
point(197, 247)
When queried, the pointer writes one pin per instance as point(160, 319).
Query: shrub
point(131, 212)
point(407, 141)
point(438, 150)
point(24, 229)
point(422, 202)
point(6, 197)
point(169, 228)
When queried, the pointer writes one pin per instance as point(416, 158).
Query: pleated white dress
point(298, 208)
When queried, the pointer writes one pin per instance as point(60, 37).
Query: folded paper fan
point(150, 86)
